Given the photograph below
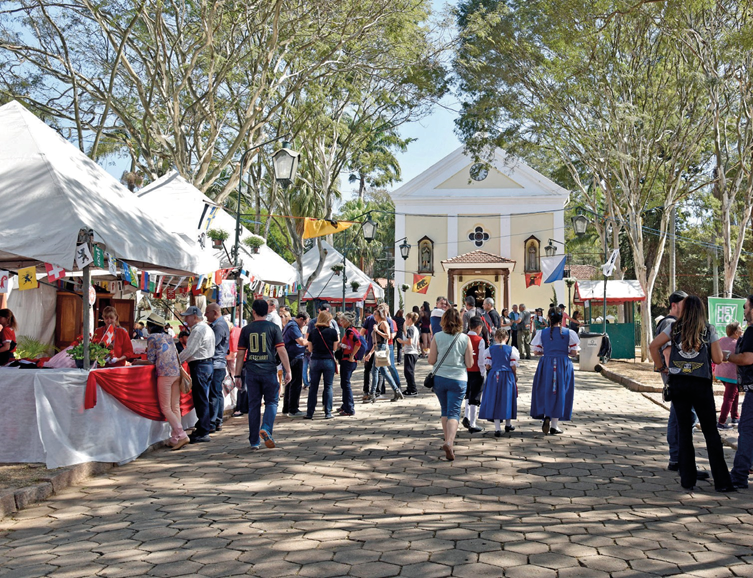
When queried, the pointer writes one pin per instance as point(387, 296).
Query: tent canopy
point(618, 291)
point(329, 287)
point(49, 190)
point(181, 205)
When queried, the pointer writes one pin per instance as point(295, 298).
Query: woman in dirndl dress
point(554, 382)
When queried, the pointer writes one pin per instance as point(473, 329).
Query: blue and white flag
point(553, 268)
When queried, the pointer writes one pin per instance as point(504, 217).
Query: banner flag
point(533, 279)
point(27, 278)
point(421, 283)
point(126, 273)
point(4, 282)
point(83, 256)
point(553, 268)
point(99, 257)
point(112, 265)
point(608, 267)
point(320, 227)
point(54, 273)
point(108, 336)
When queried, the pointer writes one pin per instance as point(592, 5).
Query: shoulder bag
point(382, 356)
point(429, 379)
point(337, 367)
point(184, 383)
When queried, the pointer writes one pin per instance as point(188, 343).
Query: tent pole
point(87, 316)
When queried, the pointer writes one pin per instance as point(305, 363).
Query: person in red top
point(121, 343)
point(475, 374)
point(7, 336)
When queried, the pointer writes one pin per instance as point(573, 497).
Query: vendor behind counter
point(122, 349)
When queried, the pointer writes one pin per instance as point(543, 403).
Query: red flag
point(533, 279)
point(220, 275)
point(170, 293)
point(421, 283)
point(108, 336)
point(54, 273)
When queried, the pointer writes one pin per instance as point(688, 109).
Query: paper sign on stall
point(4, 282)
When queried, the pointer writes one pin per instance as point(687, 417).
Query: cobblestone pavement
point(373, 496)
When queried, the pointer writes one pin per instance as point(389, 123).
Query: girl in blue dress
point(554, 382)
point(500, 399)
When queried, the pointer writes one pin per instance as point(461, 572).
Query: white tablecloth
point(42, 419)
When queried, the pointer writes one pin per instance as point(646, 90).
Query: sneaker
point(723, 426)
point(373, 398)
point(545, 425)
point(256, 447)
point(269, 441)
point(509, 428)
point(410, 393)
point(673, 467)
point(734, 421)
point(466, 423)
point(296, 414)
point(200, 439)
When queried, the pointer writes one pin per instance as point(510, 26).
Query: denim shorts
point(450, 393)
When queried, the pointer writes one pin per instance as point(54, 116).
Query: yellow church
point(478, 231)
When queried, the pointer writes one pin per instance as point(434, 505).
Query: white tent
point(329, 287)
point(182, 206)
point(49, 190)
point(618, 291)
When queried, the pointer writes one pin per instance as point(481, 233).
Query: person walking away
point(260, 340)
point(367, 330)
point(411, 349)
point(500, 401)
point(743, 359)
point(323, 342)
point(385, 311)
point(524, 331)
point(694, 344)
point(476, 374)
point(425, 324)
point(199, 353)
point(554, 383)
point(380, 335)
point(161, 353)
point(399, 320)
point(727, 374)
point(514, 325)
point(451, 354)
point(219, 363)
point(676, 300)
point(349, 347)
point(295, 347)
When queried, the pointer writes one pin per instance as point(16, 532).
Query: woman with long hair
point(425, 326)
point(451, 354)
point(694, 344)
point(323, 342)
point(121, 341)
point(380, 337)
point(554, 383)
point(8, 327)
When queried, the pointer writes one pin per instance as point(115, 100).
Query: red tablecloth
point(135, 387)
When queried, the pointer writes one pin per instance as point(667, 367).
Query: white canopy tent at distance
point(50, 191)
point(328, 286)
point(188, 211)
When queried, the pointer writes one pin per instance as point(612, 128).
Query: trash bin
point(590, 343)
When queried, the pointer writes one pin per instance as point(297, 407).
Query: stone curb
point(643, 389)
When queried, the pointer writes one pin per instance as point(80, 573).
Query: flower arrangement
point(97, 352)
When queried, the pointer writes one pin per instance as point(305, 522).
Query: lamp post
point(368, 228)
point(285, 164)
point(580, 224)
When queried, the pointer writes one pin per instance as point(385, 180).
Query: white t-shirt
point(413, 334)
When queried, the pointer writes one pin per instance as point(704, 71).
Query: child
point(476, 374)
point(410, 352)
point(727, 374)
point(501, 391)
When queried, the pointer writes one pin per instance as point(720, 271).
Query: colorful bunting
point(99, 257)
point(54, 273)
point(83, 256)
point(27, 278)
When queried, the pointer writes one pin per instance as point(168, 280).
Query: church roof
point(477, 258)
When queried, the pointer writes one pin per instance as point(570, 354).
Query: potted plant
point(217, 236)
point(97, 352)
point(337, 269)
point(354, 285)
point(404, 287)
point(253, 243)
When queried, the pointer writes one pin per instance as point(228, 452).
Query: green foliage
point(253, 242)
point(97, 353)
point(218, 234)
point(28, 348)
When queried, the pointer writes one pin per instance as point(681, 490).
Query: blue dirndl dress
point(554, 382)
point(500, 399)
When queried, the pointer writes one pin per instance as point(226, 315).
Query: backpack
point(362, 340)
point(692, 364)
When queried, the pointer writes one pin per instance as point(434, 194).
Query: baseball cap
point(677, 296)
point(192, 310)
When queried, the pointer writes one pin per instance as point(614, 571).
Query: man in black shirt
point(258, 342)
point(743, 358)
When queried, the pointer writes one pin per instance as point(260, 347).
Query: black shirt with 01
point(261, 339)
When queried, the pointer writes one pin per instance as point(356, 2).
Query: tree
point(612, 96)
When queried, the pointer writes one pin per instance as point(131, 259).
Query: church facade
point(478, 231)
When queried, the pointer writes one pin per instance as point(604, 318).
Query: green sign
point(722, 312)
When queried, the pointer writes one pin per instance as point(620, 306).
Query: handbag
point(184, 378)
point(666, 393)
point(429, 379)
point(337, 367)
point(382, 358)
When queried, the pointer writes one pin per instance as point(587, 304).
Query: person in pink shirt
point(727, 374)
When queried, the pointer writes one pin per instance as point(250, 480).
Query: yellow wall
point(522, 227)
point(467, 225)
point(436, 229)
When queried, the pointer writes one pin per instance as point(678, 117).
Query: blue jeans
point(377, 371)
point(451, 393)
point(346, 371)
point(744, 453)
point(673, 435)
point(305, 377)
point(261, 385)
point(393, 368)
point(321, 368)
point(201, 376)
point(217, 397)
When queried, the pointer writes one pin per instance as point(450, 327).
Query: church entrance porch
point(479, 273)
point(479, 290)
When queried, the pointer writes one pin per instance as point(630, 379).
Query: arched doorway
point(480, 290)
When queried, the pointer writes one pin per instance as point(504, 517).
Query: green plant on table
point(97, 352)
point(29, 348)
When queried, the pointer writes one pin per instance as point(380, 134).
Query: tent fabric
point(618, 291)
point(35, 311)
point(328, 286)
point(49, 190)
point(181, 205)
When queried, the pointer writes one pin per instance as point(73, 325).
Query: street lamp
point(285, 165)
point(550, 250)
point(404, 248)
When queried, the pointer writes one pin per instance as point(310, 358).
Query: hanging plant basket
point(337, 269)
point(354, 285)
point(254, 243)
point(217, 236)
point(216, 244)
point(404, 287)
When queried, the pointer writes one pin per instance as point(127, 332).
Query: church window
point(479, 237)
point(532, 253)
point(426, 255)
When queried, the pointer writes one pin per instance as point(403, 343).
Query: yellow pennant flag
point(27, 278)
point(320, 227)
